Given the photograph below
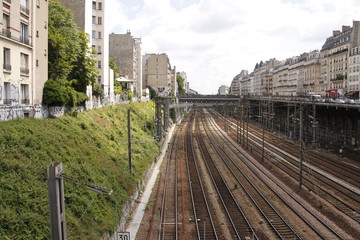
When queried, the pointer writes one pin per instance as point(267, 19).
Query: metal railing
point(24, 40)
point(24, 9)
point(7, 101)
point(24, 70)
point(6, 33)
point(6, 67)
point(25, 101)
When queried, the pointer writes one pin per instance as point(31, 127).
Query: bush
point(55, 93)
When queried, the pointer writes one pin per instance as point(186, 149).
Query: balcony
point(25, 101)
point(24, 9)
point(7, 101)
point(7, 67)
point(25, 40)
point(6, 33)
point(24, 71)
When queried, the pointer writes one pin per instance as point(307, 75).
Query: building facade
point(223, 90)
point(334, 71)
point(23, 41)
point(91, 18)
point(158, 74)
point(335, 58)
point(126, 51)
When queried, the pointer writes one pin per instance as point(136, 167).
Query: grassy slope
point(92, 147)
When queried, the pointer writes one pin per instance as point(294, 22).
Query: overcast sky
point(213, 40)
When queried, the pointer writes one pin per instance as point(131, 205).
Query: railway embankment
point(92, 147)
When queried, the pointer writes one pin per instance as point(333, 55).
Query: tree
point(63, 41)
point(71, 63)
point(180, 82)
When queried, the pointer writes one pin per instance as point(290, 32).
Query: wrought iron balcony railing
point(24, 40)
point(7, 101)
point(25, 101)
point(6, 33)
point(24, 9)
point(6, 67)
point(24, 70)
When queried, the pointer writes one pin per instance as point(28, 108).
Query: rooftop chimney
point(336, 32)
point(345, 28)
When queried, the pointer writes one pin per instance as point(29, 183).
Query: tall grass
point(93, 148)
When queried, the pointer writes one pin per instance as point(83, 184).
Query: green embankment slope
point(92, 147)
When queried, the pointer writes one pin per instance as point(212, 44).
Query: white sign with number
point(123, 236)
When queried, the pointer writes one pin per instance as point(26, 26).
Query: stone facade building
point(90, 17)
point(23, 41)
point(126, 50)
point(334, 71)
point(335, 58)
point(223, 90)
point(354, 72)
point(158, 74)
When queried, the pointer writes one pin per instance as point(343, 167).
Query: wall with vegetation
point(92, 146)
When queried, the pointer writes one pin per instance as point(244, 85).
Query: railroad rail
point(258, 171)
point(281, 158)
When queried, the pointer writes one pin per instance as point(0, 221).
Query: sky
point(213, 40)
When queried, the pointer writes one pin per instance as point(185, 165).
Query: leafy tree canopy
point(181, 85)
point(71, 64)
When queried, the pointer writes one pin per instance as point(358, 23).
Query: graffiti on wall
point(14, 93)
point(11, 112)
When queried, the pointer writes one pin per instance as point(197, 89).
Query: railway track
point(241, 228)
point(281, 228)
point(205, 228)
point(169, 225)
point(334, 235)
point(346, 199)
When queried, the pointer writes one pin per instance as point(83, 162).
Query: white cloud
point(214, 40)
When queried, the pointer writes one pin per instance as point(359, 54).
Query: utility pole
point(56, 198)
point(301, 146)
point(57, 205)
point(129, 141)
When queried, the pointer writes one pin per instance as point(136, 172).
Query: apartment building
point(23, 41)
point(127, 53)
point(309, 74)
point(158, 74)
point(354, 72)
point(223, 90)
point(236, 86)
point(90, 17)
point(335, 57)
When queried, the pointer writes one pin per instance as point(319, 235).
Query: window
point(24, 6)
point(99, 20)
point(24, 3)
point(99, 64)
point(100, 6)
point(99, 50)
point(99, 35)
point(24, 93)
point(6, 27)
point(38, 3)
point(93, 20)
point(24, 64)
point(93, 34)
point(24, 34)
point(93, 5)
point(7, 65)
point(7, 95)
